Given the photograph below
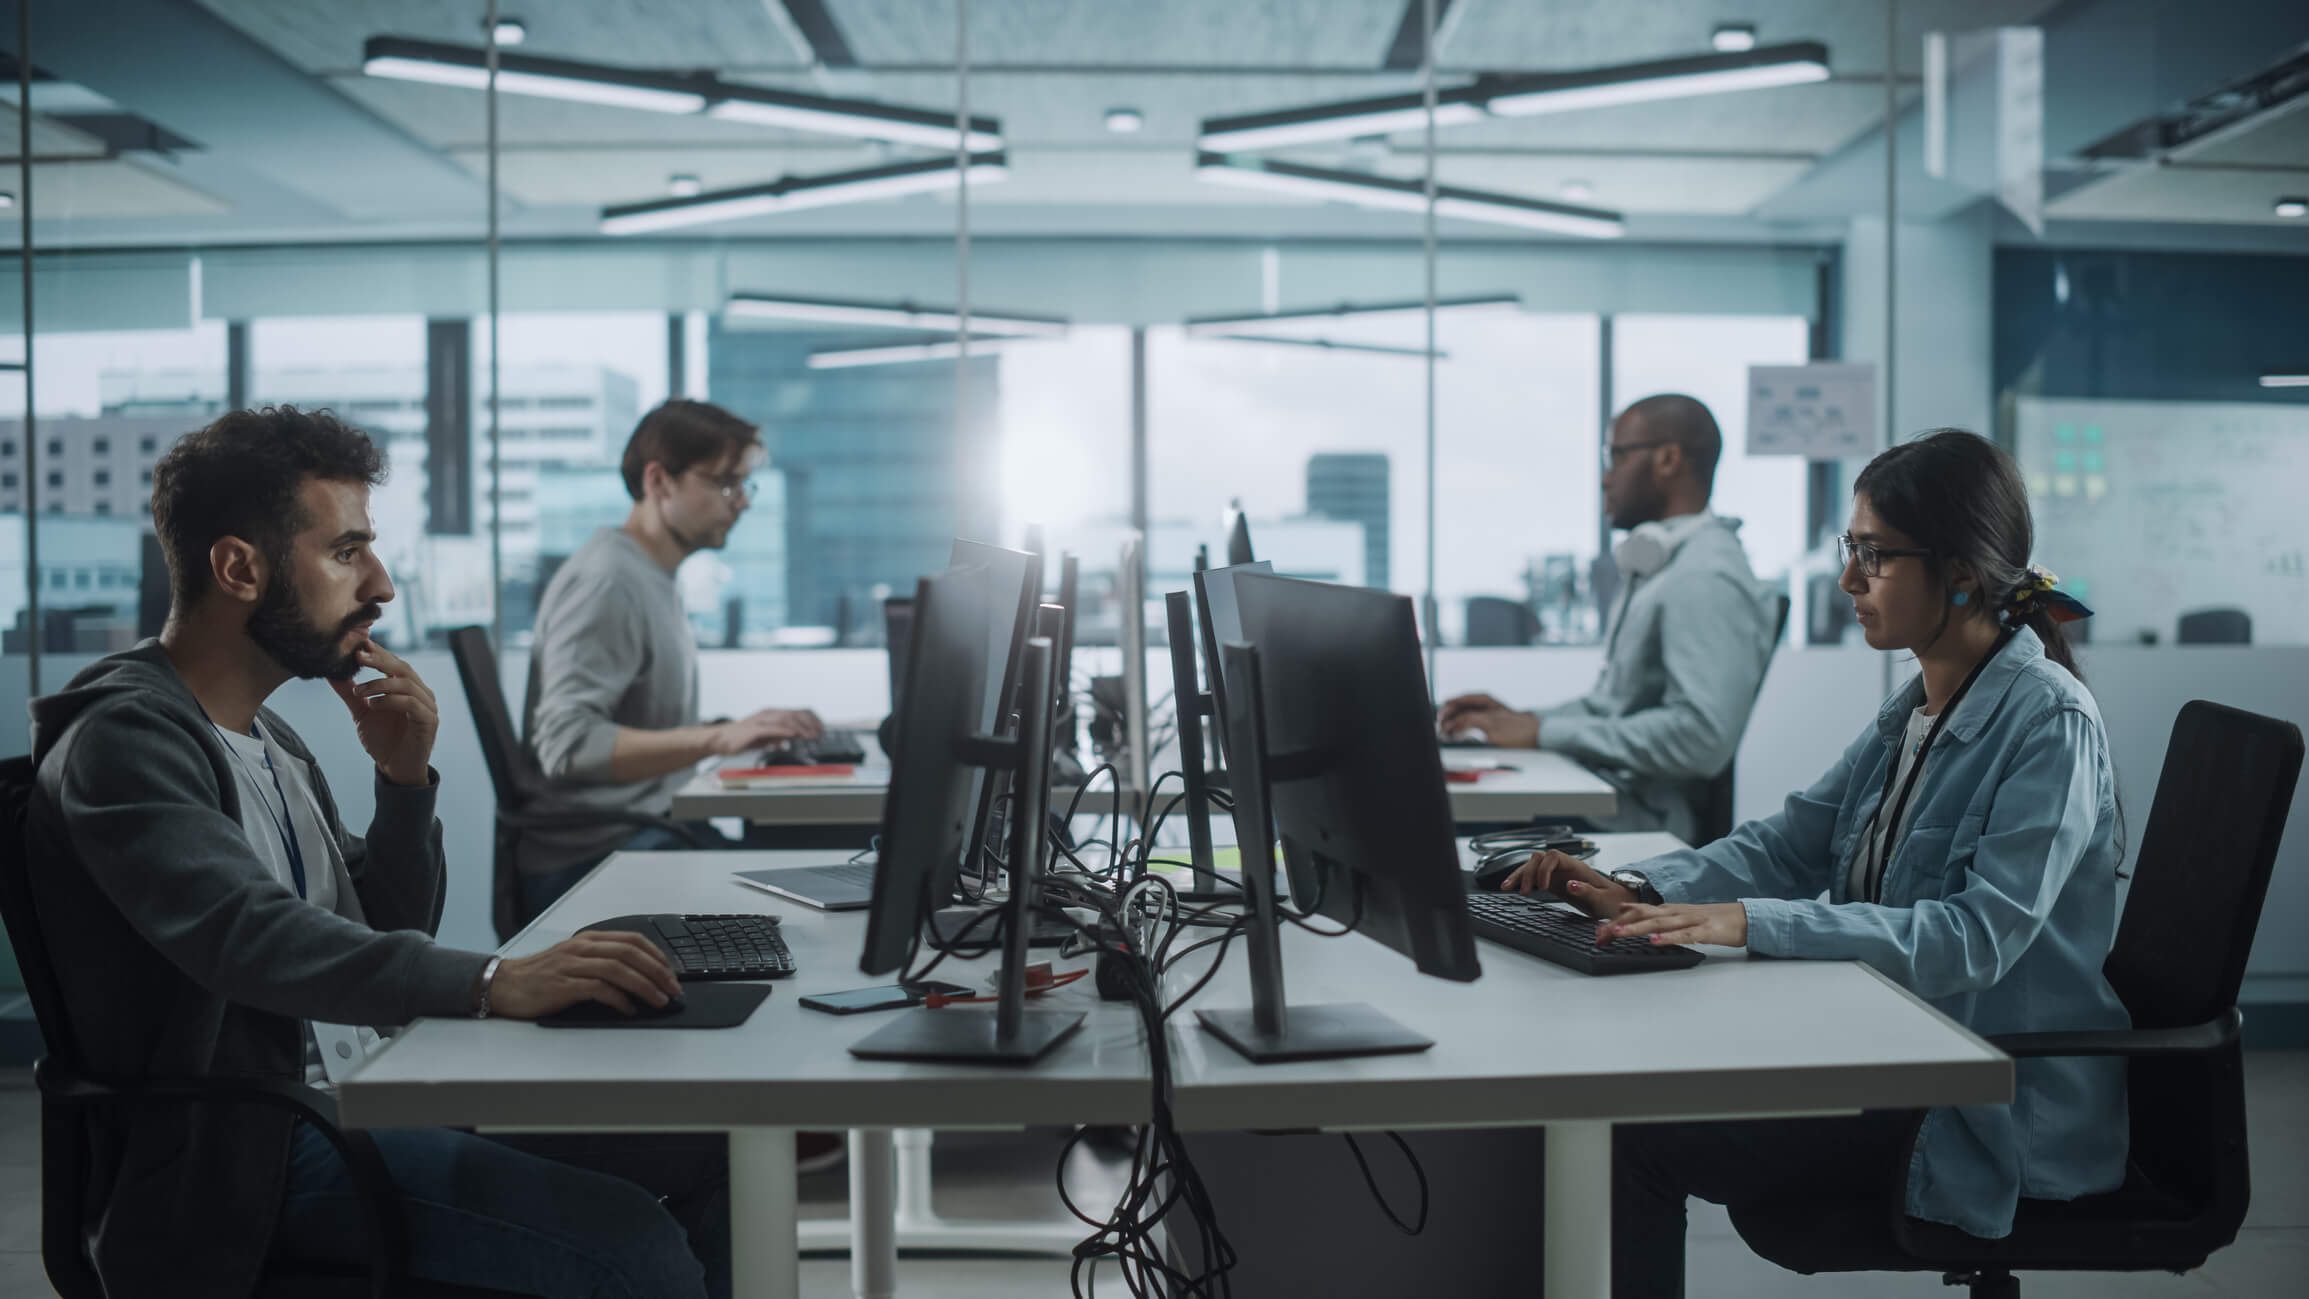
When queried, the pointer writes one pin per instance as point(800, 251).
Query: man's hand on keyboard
point(767, 727)
point(608, 966)
point(1723, 923)
point(1574, 881)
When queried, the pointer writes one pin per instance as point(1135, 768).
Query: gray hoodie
point(180, 955)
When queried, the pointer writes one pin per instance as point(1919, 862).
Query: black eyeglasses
point(1613, 451)
point(1870, 555)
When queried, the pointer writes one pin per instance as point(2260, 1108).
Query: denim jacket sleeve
point(2039, 824)
point(1788, 854)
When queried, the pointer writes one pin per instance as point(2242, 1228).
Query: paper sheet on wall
point(1822, 411)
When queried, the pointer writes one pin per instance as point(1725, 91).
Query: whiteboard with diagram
point(2149, 509)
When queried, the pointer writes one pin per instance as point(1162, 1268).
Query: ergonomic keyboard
point(831, 747)
point(708, 948)
point(1552, 933)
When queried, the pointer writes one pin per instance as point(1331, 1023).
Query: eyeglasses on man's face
point(1870, 556)
point(735, 486)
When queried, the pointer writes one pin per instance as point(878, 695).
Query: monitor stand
point(1272, 1031)
point(1008, 1033)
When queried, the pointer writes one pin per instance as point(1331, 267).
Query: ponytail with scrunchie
point(2039, 592)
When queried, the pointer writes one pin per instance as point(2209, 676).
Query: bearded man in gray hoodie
point(210, 915)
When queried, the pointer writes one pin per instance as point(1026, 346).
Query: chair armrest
point(2196, 1039)
point(372, 1184)
point(521, 820)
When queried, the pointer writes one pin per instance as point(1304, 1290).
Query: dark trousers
point(1655, 1166)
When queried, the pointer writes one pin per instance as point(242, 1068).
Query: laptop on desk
point(837, 886)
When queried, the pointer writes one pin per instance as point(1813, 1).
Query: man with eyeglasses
point(613, 680)
point(1688, 641)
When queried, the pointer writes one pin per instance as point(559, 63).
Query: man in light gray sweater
point(613, 679)
point(1687, 646)
point(208, 914)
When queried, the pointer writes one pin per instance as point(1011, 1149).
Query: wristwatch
point(1638, 883)
point(488, 978)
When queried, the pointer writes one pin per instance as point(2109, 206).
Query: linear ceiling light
point(2285, 380)
point(1327, 345)
point(1706, 74)
point(524, 74)
point(859, 119)
point(1349, 311)
point(1407, 196)
point(792, 193)
point(527, 74)
point(900, 315)
point(1523, 95)
point(842, 358)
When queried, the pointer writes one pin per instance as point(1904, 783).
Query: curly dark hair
point(239, 477)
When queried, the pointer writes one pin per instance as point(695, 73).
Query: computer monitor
point(1016, 588)
point(1069, 599)
point(1238, 537)
point(1334, 740)
point(1220, 625)
point(926, 822)
point(1193, 704)
point(1130, 592)
point(898, 636)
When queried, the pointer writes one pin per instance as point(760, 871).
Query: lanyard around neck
point(1874, 879)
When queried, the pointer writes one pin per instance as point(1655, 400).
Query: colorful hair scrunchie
point(2039, 588)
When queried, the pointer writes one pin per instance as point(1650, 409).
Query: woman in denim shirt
point(1980, 875)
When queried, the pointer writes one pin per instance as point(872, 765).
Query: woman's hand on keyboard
point(1573, 880)
point(1723, 923)
point(612, 967)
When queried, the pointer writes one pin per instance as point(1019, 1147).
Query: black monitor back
point(898, 635)
point(928, 814)
point(1354, 774)
point(1238, 538)
point(1219, 623)
point(1015, 588)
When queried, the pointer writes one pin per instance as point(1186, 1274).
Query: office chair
point(2178, 960)
point(2215, 627)
point(1714, 815)
point(1492, 620)
point(69, 1094)
point(514, 776)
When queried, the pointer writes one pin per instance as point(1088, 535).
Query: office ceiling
point(1050, 69)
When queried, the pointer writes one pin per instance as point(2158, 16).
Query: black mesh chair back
point(1716, 816)
point(2215, 627)
point(511, 772)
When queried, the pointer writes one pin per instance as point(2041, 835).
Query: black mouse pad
point(709, 1005)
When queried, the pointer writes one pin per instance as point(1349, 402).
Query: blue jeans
point(559, 1224)
point(544, 888)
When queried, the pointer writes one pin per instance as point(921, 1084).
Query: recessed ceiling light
point(1578, 190)
point(1125, 121)
point(682, 185)
point(511, 31)
point(1732, 38)
point(2290, 206)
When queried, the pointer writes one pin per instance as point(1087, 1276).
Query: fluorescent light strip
point(522, 74)
point(1711, 74)
point(1325, 344)
point(857, 119)
point(1357, 314)
point(846, 357)
point(2285, 380)
point(1339, 121)
point(792, 193)
point(1408, 196)
point(897, 316)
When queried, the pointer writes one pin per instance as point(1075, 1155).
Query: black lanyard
point(1874, 879)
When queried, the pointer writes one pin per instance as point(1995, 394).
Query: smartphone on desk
point(895, 996)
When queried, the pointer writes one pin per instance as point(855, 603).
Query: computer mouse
point(1490, 878)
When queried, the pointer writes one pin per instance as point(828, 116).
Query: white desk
point(1539, 783)
point(856, 800)
point(1719, 1040)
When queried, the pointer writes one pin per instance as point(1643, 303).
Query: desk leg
point(1578, 1189)
point(873, 1214)
point(763, 1260)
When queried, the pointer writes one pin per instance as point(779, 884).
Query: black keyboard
point(709, 948)
point(1551, 933)
point(831, 747)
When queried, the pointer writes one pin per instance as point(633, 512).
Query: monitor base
point(966, 1036)
point(1334, 1032)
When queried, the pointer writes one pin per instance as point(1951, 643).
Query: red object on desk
point(770, 773)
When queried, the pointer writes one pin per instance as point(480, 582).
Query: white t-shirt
point(1856, 878)
point(331, 1050)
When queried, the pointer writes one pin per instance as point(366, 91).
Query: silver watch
point(488, 980)
point(1638, 883)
